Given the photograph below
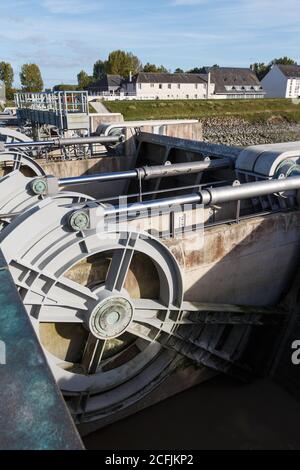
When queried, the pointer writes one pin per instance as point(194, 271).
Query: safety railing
point(60, 102)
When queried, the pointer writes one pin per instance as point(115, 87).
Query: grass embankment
point(255, 110)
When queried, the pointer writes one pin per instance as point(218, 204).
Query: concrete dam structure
point(147, 263)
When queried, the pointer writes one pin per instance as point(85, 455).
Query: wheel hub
point(111, 317)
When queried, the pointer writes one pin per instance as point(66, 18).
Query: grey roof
point(148, 77)
point(290, 71)
point(107, 81)
point(232, 76)
point(114, 80)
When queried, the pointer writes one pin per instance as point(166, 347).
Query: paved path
point(99, 107)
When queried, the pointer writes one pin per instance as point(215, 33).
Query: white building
point(235, 83)
point(282, 81)
point(216, 83)
point(168, 86)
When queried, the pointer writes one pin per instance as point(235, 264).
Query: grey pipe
point(150, 172)
point(90, 140)
point(161, 171)
point(157, 204)
point(211, 196)
point(66, 142)
point(101, 177)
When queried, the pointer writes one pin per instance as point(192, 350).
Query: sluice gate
point(158, 269)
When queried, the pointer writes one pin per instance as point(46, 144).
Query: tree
point(261, 69)
point(154, 69)
point(65, 87)
point(178, 70)
point(84, 80)
point(6, 74)
point(100, 68)
point(31, 78)
point(122, 63)
point(284, 61)
point(195, 70)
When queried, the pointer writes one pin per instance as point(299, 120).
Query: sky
point(66, 36)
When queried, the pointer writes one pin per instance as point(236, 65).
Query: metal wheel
point(16, 197)
point(18, 161)
point(9, 135)
point(87, 298)
point(109, 311)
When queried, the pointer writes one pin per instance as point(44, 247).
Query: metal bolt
point(113, 318)
point(79, 220)
point(39, 186)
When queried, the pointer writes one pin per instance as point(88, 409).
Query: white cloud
point(73, 7)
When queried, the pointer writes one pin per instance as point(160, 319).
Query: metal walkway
point(66, 110)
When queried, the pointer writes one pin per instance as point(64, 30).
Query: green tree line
point(117, 63)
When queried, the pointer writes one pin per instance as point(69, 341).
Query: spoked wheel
point(9, 136)
point(108, 310)
point(90, 301)
point(16, 197)
point(19, 161)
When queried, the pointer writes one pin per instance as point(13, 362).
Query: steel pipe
point(161, 171)
point(150, 172)
point(66, 142)
point(151, 205)
point(211, 196)
point(101, 177)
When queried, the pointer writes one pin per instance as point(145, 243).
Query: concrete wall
point(64, 169)
point(106, 118)
point(250, 263)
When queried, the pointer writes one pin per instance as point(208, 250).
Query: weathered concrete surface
point(99, 107)
point(251, 263)
point(104, 118)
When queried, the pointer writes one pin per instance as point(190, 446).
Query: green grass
point(91, 108)
point(256, 110)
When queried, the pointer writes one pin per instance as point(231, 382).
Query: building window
point(196, 97)
point(151, 85)
point(140, 86)
point(196, 86)
point(160, 86)
point(178, 86)
point(169, 85)
point(187, 96)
